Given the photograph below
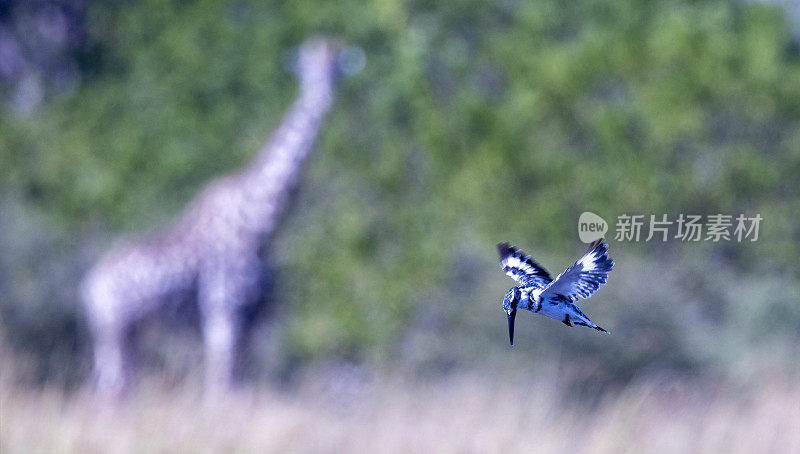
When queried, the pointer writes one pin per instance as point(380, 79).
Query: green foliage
point(473, 122)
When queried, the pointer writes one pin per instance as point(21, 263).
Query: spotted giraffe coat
point(211, 252)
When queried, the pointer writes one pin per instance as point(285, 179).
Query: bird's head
point(510, 302)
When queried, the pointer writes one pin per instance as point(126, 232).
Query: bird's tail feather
point(589, 324)
point(601, 329)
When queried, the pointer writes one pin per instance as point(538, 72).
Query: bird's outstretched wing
point(584, 277)
point(521, 267)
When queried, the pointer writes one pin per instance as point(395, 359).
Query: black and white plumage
point(522, 268)
point(553, 298)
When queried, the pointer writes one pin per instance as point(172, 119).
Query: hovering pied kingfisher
point(539, 293)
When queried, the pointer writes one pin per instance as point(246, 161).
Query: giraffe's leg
point(110, 335)
point(111, 371)
point(220, 339)
point(221, 294)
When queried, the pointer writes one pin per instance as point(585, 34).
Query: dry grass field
point(461, 413)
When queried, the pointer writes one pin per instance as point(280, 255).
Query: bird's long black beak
point(511, 316)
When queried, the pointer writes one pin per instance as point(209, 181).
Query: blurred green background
point(472, 123)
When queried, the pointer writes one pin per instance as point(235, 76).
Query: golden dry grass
point(463, 413)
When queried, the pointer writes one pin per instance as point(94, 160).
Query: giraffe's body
point(211, 252)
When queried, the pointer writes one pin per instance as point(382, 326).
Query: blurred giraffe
point(211, 252)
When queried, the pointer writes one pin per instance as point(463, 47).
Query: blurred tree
point(473, 122)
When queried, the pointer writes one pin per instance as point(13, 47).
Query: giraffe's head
point(320, 61)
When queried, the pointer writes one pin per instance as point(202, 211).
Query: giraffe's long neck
point(269, 181)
